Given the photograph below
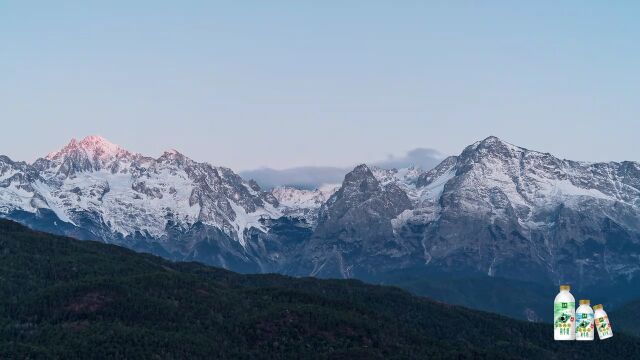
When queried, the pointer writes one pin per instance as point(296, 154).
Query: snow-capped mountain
point(524, 211)
point(495, 210)
point(127, 198)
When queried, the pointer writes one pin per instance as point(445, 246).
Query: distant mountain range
point(496, 212)
point(62, 298)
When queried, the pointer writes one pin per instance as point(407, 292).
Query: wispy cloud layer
point(423, 158)
point(311, 177)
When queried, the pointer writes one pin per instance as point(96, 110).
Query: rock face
point(495, 210)
point(354, 236)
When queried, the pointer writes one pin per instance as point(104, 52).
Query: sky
point(280, 84)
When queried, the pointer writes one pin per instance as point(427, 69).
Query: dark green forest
point(626, 318)
point(62, 298)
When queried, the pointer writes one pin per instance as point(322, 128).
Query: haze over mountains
point(496, 211)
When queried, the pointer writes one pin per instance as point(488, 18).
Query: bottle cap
point(585, 302)
point(565, 287)
point(596, 307)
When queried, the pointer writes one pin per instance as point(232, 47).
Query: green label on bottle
point(563, 317)
point(584, 325)
point(603, 326)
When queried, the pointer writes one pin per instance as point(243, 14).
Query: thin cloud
point(423, 158)
point(305, 177)
point(311, 177)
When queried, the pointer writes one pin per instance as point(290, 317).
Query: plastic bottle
point(602, 323)
point(564, 311)
point(584, 321)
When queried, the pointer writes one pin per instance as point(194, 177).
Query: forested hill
point(68, 299)
point(626, 318)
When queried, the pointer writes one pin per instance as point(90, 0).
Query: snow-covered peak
point(99, 144)
point(175, 158)
point(492, 175)
point(490, 140)
point(94, 146)
point(172, 152)
point(92, 153)
point(493, 146)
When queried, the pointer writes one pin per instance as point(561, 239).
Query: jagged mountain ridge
point(495, 210)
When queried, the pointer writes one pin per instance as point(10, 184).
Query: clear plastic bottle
point(584, 321)
point(564, 311)
point(602, 323)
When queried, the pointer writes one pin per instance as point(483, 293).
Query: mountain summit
point(93, 153)
point(94, 146)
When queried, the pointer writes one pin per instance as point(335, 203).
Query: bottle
point(584, 321)
point(564, 311)
point(602, 323)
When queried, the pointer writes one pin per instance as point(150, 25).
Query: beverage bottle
point(602, 323)
point(584, 321)
point(564, 311)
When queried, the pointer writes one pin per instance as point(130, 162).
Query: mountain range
point(496, 212)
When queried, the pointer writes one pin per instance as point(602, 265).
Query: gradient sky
point(290, 83)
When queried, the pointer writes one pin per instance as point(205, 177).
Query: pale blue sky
point(290, 83)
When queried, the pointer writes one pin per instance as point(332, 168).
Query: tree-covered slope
point(513, 298)
point(63, 298)
point(626, 318)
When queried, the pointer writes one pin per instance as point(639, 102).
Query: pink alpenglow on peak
point(94, 146)
point(92, 153)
